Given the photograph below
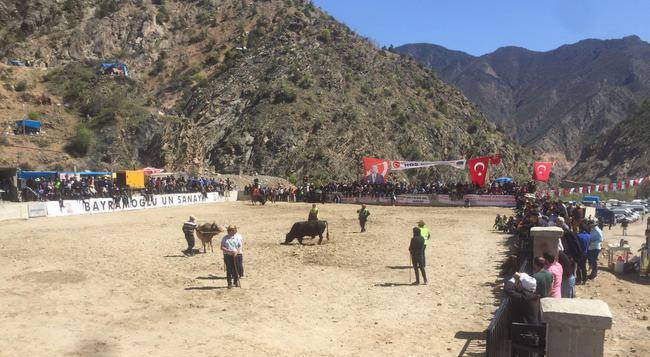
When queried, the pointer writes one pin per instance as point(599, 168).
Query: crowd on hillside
point(557, 271)
point(71, 187)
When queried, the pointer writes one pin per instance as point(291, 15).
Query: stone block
point(575, 327)
point(545, 237)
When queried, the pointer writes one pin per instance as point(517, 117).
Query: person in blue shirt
point(595, 243)
point(581, 271)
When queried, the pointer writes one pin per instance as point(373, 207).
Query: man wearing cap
point(363, 217)
point(188, 229)
point(416, 248)
point(231, 248)
point(525, 303)
point(424, 232)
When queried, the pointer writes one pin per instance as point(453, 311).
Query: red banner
point(478, 169)
point(495, 159)
point(542, 171)
point(375, 170)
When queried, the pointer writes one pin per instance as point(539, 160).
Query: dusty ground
point(627, 297)
point(116, 285)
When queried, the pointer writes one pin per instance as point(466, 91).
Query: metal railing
point(497, 335)
point(497, 339)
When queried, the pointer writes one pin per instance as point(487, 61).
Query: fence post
point(575, 327)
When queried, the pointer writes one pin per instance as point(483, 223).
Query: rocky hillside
point(275, 87)
point(621, 153)
point(554, 101)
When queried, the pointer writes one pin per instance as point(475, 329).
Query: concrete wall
point(13, 210)
point(25, 210)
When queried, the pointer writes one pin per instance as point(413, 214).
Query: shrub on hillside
point(325, 35)
point(21, 86)
point(81, 143)
point(162, 16)
point(284, 94)
point(106, 7)
point(33, 116)
point(201, 79)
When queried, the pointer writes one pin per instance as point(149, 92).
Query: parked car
point(639, 208)
point(625, 213)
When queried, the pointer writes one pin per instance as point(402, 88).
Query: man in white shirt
point(231, 247)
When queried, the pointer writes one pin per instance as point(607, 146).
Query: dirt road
point(117, 285)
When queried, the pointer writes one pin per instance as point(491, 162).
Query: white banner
point(105, 205)
point(481, 200)
point(405, 165)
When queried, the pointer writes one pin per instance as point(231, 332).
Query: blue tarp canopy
point(35, 174)
point(34, 124)
point(120, 66)
point(591, 198)
point(88, 173)
point(503, 179)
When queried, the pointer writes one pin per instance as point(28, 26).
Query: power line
point(38, 149)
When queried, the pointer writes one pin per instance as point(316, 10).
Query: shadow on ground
point(474, 343)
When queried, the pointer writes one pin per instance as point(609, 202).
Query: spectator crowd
point(554, 273)
point(73, 187)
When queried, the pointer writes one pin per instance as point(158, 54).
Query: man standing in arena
point(424, 232)
point(363, 217)
point(313, 213)
point(231, 247)
point(188, 229)
point(416, 248)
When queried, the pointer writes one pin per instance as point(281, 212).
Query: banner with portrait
point(375, 170)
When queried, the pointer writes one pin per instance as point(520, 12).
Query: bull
point(307, 228)
point(206, 232)
point(258, 195)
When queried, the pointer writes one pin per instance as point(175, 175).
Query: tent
point(152, 170)
point(25, 175)
point(503, 179)
point(26, 126)
point(114, 68)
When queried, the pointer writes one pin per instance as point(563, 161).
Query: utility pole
point(358, 168)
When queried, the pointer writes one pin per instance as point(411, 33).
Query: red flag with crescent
point(478, 169)
point(542, 171)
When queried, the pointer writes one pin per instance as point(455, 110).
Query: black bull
point(307, 228)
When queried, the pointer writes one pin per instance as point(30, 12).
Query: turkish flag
point(478, 169)
point(542, 170)
point(495, 159)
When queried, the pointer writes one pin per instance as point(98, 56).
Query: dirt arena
point(118, 285)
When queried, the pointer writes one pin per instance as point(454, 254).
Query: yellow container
point(131, 178)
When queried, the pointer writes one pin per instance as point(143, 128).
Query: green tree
point(83, 140)
point(21, 86)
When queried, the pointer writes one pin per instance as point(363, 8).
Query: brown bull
point(206, 232)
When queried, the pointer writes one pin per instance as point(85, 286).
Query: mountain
point(621, 153)
point(274, 87)
point(555, 101)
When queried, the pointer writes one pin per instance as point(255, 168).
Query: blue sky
point(481, 26)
